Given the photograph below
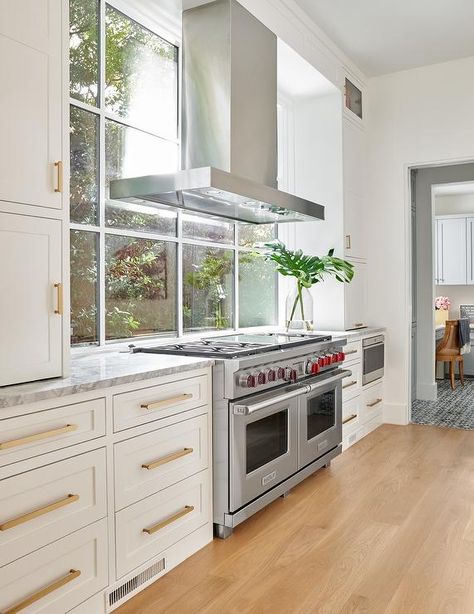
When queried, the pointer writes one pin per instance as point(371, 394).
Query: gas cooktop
point(234, 346)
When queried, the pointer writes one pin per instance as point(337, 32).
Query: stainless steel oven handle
point(251, 408)
point(246, 410)
point(341, 374)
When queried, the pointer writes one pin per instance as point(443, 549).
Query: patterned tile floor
point(453, 409)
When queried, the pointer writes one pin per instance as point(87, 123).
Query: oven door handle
point(251, 408)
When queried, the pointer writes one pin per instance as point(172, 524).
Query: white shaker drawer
point(350, 415)
point(353, 351)
point(372, 402)
point(148, 527)
point(148, 463)
point(351, 385)
point(44, 431)
point(45, 504)
point(57, 577)
point(156, 402)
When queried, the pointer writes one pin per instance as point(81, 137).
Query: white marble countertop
point(351, 335)
point(100, 369)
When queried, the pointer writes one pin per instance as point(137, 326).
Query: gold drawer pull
point(13, 443)
point(59, 178)
point(60, 300)
point(358, 324)
point(38, 512)
point(349, 418)
point(164, 523)
point(168, 459)
point(72, 575)
point(352, 383)
point(374, 403)
point(351, 352)
point(165, 402)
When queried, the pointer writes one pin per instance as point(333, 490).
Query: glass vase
point(299, 309)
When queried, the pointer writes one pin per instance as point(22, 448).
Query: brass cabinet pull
point(374, 403)
point(351, 352)
point(38, 512)
point(168, 459)
point(13, 443)
point(352, 383)
point(358, 324)
point(164, 523)
point(60, 300)
point(165, 402)
point(349, 418)
point(59, 176)
point(348, 241)
point(72, 575)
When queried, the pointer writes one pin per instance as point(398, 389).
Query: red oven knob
point(271, 375)
point(334, 358)
point(248, 380)
point(261, 377)
point(342, 356)
point(281, 373)
point(292, 375)
point(315, 368)
point(321, 361)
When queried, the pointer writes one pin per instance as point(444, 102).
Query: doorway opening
point(442, 216)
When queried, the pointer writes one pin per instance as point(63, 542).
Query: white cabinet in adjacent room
point(31, 102)
point(31, 298)
point(451, 251)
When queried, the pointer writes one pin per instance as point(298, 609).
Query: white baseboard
point(396, 413)
point(426, 391)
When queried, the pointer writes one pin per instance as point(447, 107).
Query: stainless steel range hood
point(229, 132)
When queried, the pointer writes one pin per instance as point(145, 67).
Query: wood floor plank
point(388, 529)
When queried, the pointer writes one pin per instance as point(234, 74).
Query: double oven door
point(274, 434)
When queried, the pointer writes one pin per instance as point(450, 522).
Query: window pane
point(84, 50)
point(84, 137)
point(208, 281)
point(251, 234)
point(140, 287)
point(84, 321)
point(208, 229)
point(257, 291)
point(141, 75)
point(131, 153)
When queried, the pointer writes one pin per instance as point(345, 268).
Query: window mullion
point(102, 173)
point(236, 276)
point(179, 276)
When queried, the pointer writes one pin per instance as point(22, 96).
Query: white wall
point(416, 117)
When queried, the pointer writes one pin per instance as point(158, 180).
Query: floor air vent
point(135, 582)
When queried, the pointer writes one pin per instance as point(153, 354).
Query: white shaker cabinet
point(31, 102)
point(30, 298)
point(354, 169)
point(451, 251)
point(355, 298)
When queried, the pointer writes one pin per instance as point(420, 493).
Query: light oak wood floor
point(388, 528)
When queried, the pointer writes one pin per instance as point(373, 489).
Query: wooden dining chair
point(449, 350)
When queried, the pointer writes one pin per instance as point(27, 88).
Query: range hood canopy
point(229, 131)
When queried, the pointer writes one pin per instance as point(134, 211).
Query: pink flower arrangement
point(442, 302)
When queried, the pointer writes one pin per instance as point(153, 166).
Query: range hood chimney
point(229, 127)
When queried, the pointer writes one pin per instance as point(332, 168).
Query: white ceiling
point(297, 78)
point(450, 189)
point(384, 36)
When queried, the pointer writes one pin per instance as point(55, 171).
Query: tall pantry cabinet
point(33, 190)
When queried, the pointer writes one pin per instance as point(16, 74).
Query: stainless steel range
point(277, 415)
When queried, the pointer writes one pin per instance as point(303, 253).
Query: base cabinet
point(89, 516)
point(362, 407)
point(31, 306)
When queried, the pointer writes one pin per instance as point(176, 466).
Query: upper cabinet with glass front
point(31, 102)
